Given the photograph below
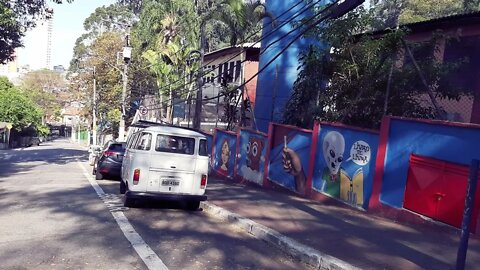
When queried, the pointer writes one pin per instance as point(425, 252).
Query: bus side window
point(202, 148)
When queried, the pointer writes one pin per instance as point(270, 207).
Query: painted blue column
point(274, 84)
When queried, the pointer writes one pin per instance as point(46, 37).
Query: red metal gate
point(437, 189)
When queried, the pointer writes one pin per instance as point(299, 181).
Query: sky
point(67, 27)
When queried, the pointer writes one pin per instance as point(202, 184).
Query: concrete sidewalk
point(345, 237)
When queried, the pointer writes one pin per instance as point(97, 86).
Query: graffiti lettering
point(360, 153)
point(361, 148)
point(360, 157)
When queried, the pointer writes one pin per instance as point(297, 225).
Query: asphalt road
point(54, 215)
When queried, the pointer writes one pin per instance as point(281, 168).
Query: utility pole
point(198, 102)
point(127, 52)
point(94, 125)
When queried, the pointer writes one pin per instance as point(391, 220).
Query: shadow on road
point(22, 160)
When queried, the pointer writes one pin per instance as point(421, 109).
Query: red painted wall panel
point(437, 189)
point(424, 181)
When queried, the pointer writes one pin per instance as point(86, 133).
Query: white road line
point(143, 250)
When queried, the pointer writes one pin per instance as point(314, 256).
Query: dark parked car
point(109, 162)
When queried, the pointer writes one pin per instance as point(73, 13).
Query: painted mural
point(224, 153)
point(446, 141)
point(345, 163)
point(289, 157)
point(251, 159)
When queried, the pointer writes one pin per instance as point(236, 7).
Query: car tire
point(98, 176)
point(193, 205)
point(123, 187)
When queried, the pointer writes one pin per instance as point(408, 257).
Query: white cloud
point(251, 175)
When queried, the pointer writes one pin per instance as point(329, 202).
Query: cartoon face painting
point(333, 148)
point(225, 155)
point(254, 153)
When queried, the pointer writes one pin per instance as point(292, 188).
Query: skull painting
point(254, 153)
point(333, 148)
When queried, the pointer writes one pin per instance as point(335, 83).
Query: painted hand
point(291, 162)
point(293, 165)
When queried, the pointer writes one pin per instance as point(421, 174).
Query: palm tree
point(241, 18)
point(169, 60)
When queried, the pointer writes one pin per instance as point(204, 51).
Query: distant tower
point(49, 42)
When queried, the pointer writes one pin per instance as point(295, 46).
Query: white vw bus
point(167, 163)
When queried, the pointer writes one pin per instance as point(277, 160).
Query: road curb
point(301, 252)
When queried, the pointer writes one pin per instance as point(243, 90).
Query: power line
point(342, 9)
point(298, 13)
point(264, 50)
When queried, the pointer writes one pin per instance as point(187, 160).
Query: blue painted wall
point(357, 165)
point(449, 143)
point(274, 84)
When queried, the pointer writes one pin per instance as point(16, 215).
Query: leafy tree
point(169, 61)
point(11, 33)
point(112, 18)
point(166, 33)
point(48, 89)
point(471, 5)
point(423, 10)
point(150, 26)
point(393, 12)
point(101, 54)
point(99, 47)
point(134, 5)
point(360, 78)
point(241, 18)
point(17, 108)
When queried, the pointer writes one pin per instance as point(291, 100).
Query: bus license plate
point(170, 182)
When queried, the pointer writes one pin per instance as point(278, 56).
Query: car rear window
point(175, 144)
point(117, 147)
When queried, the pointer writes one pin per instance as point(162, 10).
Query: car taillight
point(136, 176)
point(203, 182)
point(109, 153)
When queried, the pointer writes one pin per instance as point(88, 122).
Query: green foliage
point(241, 18)
point(17, 108)
point(11, 33)
point(393, 12)
point(112, 18)
point(423, 10)
point(43, 130)
point(133, 5)
point(114, 116)
point(355, 72)
point(151, 26)
point(47, 89)
point(303, 103)
point(166, 34)
point(101, 54)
